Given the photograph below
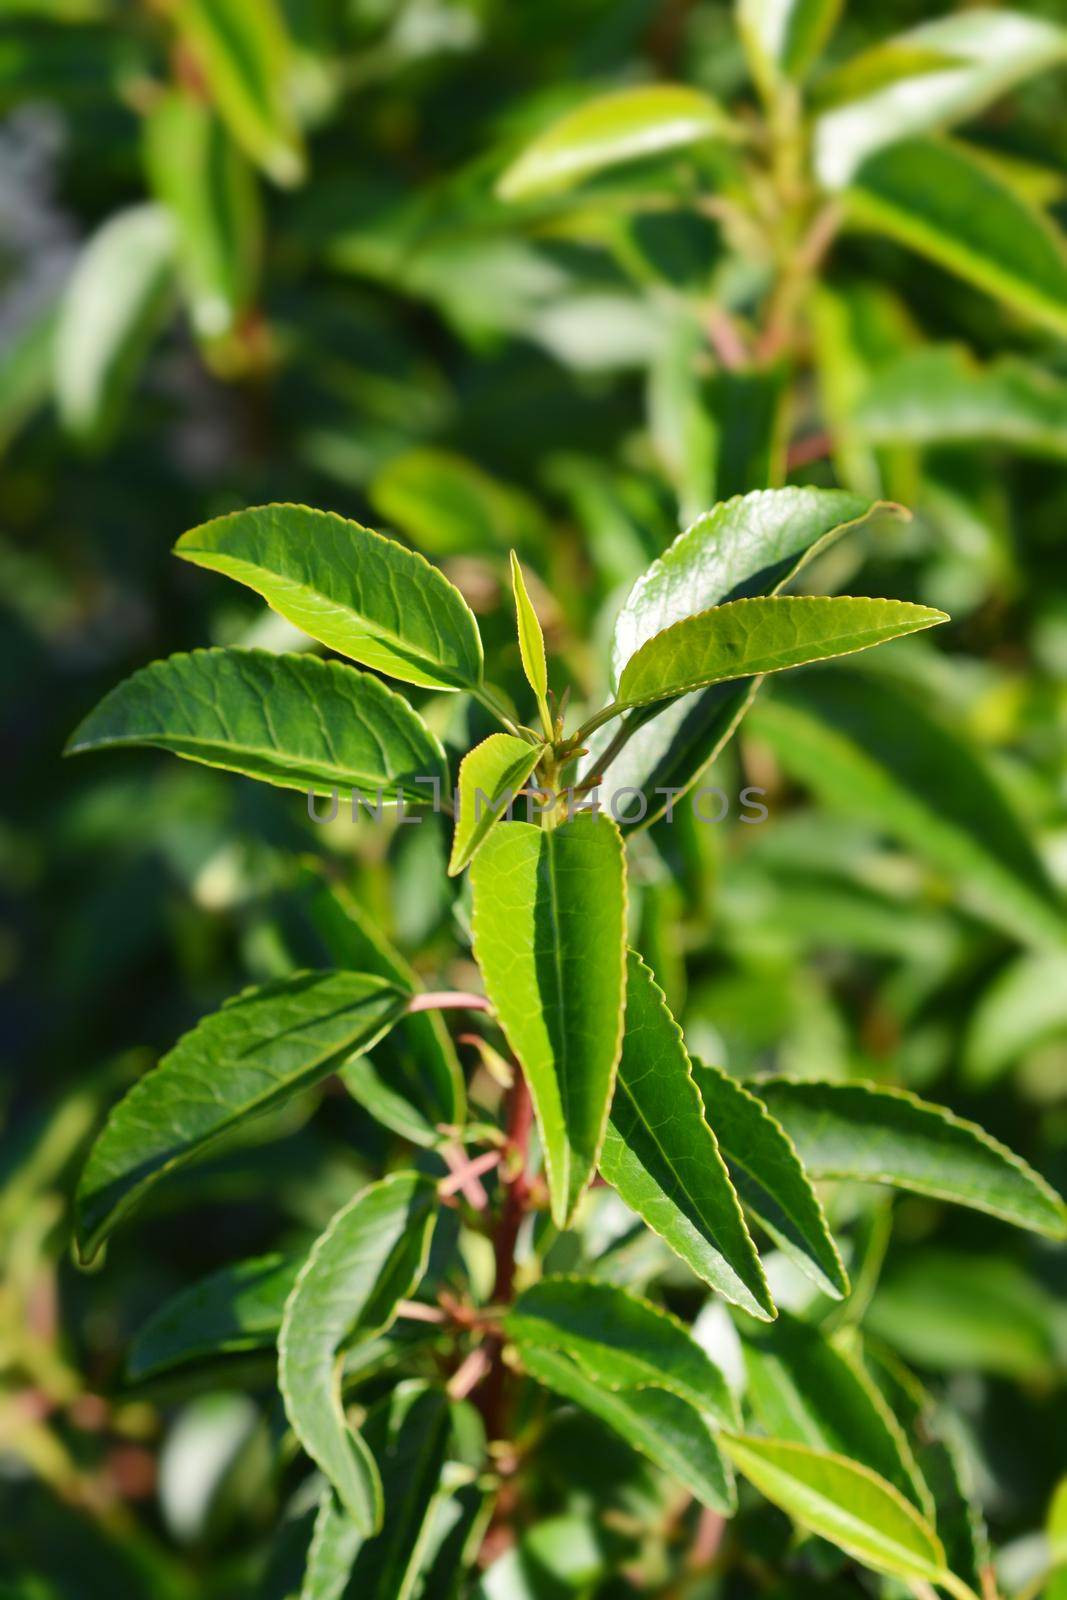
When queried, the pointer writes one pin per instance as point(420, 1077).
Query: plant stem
point(487, 697)
point(516, 1195)
point(448, 1000)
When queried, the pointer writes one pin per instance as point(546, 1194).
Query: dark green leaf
point(237, 1308)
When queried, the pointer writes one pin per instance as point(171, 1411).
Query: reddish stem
point(448, 1000)
point(460, 1176)
point(516, 1197)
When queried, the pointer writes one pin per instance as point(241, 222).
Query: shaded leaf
point(661, 1156)
point(372, 1255)
point(620, 1342)
point(365, 596)
point(1024, 1005)
point(237, 1308)
point(616, 127)
point(291, 720)
point(251, 1056)
point(549, 937)
point(869, 1134)
point(769, 1177)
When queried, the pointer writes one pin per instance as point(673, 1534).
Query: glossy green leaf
point(258, 1051)
point(617, 127)
point(408, 1435)
point(844, 1502)
point(237, 1308)
point(784, 38)
point(769, 1177)
point(412, 1080)
point(803, 1388)
point(936, 198)
point(1024, 1005)
point(620, 1342)
point(751, 545)
point(291, 720)
point(549, 936)
point(869, 1134)
point(198, 172)
point(490, 778)
point(874, 750)
point(747, 638)
point(661, 1156)
point(531, 639)
point(985, 53)
point(941, 395)
point(367, 597)
point(371, 1256)
point(662, 1427)
point(116, 301)
point(247, 58)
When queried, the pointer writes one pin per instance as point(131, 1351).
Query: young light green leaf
point(448, 505)
point(199, 173)
point(751, 545)
point(490, 777)
point(247, 58)
point(258, 1051)
point(936, 198)
point(412, 1082)
point(531, 644)
point(846, 1503)
point(365, 596)
point(620, 1342)
point(770, 1178)
point(662, 1427)
point(875, 751)
point(746, 638)
point(290, 720)
point(985, 52)
point(784, 38)
point(939, 394)
point(871, 1134)
point(803, 1388)
point(617, 127)
point(115, 303)
point(235, 1309)
point(661, 1156)
point(372, 1255)
point(549, 936)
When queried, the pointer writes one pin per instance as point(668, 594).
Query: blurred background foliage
point(252, 254)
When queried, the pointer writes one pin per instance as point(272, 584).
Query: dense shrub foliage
point(588, 1117)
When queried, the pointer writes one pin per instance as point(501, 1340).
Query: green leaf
point(661, 1156)
point(549, 936)
point(235, 1309)
point(367, 597)
point(450, 506)
point(408, 1435)
point(251, 1056)
point(26, 363)
point(985, 52)
point(940, 395)
point(662, 1427)
point(247, 58)
point(412, 1082)
point(198, 172)
point(117, 299)
point(874, 750)
point(1024, 1005)
point(868, 1134)
point(938, 199)
point(291, 720)
point(746, 638)
point(620, 1342)
point(617, 127)
point(371, 1256)
point(531, 642)
point(770, 1178)
point(784, 38)
point(803, 1388)
point(490, 777)
point(844, 1502)
point(751, 545)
